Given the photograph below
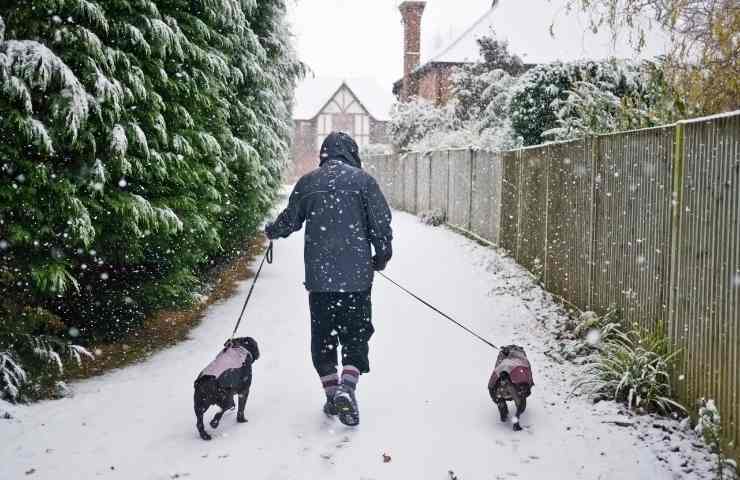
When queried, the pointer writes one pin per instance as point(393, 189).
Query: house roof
point(313, 94)
point(526, 26)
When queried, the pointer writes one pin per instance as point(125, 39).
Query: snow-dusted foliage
point(138, 141)
point(568, 100)
point(23, 355)
point(413, 121)
point(498, 104)
point(634, 367)
point(709, 426)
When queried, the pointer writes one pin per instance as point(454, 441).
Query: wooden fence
point(647, 221)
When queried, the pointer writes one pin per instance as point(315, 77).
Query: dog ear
point(253, 348)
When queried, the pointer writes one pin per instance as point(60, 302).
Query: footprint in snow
point(344, 442)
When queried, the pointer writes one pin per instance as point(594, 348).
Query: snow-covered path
point(425, 403)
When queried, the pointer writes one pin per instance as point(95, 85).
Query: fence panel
point(373, 166)
point(485, 212)
point(461, 164)
point(633, 193)
point(570, 221)
point(510, 186)
point(398, 167)
point(423, 183)
point(532, 238)
point(706, 316)
point(387, 171)
point(409, 181)
point(440, 181)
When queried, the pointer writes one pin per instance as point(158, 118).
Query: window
point(345, 113)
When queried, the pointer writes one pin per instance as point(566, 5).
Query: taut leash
point(268, 257)
point(438, 311)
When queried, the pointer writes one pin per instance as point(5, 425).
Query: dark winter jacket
point(345, 213)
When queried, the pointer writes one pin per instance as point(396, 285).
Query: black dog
point(228, 375)
point(511, 380)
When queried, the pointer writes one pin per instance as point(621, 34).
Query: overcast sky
point(364, 38)
point(358, 38)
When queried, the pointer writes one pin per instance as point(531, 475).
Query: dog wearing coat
point(511, 380)
point(228, 375)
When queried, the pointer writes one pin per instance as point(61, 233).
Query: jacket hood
point(340, 146)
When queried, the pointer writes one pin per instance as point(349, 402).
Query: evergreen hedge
point(139, 139)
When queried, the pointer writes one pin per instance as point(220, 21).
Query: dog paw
point(241, 419)
point(205, 436)
point(517, 427)
point(215, 422)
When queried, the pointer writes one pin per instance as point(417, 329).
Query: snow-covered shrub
point(597, 330)
point(33, 351)
point(413, 121)
point(433, 218)
point(44, 355)
point(476, 85)
point(634, 367)
point(476, 117)
point(567, 100)
point(709, 426)
point(139, 143)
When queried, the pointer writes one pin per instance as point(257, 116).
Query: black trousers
point(340, 318)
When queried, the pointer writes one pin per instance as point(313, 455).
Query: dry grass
point(167, 327)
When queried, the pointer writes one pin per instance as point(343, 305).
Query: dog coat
point(515, 365)
point(231, 358)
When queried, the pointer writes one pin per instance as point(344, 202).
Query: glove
point(268, 229)
point(379, 264)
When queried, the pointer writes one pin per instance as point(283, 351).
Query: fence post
point(674, 251)
point(471, 162)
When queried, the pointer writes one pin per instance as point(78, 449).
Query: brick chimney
point(411, 13)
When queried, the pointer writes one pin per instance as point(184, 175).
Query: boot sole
point(348, 415)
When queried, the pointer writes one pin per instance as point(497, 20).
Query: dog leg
point(226, 403)
point(199, 411)
point(521, 405)
point(242, 405)
point(217, 419)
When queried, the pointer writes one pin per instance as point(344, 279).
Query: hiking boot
point(329, 408)
point(346, 406)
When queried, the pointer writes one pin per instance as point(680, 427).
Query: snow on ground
point(425, 403)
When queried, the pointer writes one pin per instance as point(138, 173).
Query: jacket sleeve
point(379, 221)
point(291, 219)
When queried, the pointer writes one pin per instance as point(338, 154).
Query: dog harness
point(512, 361)
point(230, 358)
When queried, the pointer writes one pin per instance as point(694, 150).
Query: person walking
point(345, 214)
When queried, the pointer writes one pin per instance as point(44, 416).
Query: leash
point(438, 311)
point(268, 257)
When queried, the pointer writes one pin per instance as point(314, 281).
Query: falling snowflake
point(4, 244)
point(122, 183)
point(104, 276)
point(74, 332)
